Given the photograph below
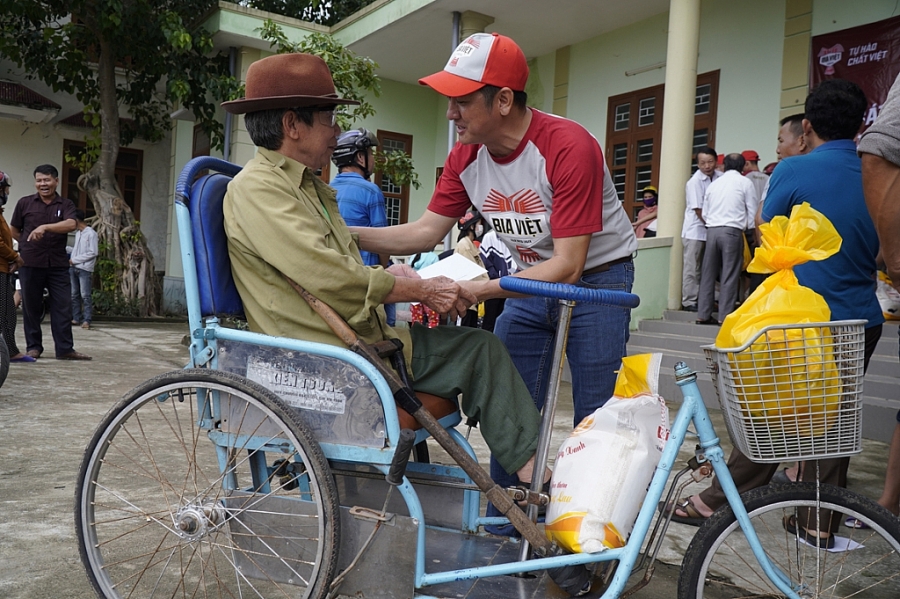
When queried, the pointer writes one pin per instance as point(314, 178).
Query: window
point(396, 197)
point(646, 112)
point(634, 135)
point(129, 165)
point(623, 115)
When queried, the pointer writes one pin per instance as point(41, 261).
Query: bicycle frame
point(692, 410)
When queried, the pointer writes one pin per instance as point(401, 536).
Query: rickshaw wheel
point(242, 505)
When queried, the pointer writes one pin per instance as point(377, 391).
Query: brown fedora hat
point(286, 81)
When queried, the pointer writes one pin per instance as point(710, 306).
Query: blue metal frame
point(692, 410)
point(202, 352)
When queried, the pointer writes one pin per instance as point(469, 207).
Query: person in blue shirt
point(829, 178)
point(360, 201)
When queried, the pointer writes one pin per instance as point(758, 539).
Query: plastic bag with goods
point(789, 378)
point(603, 469)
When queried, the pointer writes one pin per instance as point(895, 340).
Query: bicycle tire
point(719, 563)
point(163, 507)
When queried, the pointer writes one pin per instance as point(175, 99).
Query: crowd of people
point(531, 197)
point(819, 166)
point(524, 204)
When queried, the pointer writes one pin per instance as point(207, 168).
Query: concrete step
point(679, 316)
point(882, 365)
point(666, 342)
point(679, 328)
point(881, 386)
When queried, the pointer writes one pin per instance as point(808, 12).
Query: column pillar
point(795, 56)
point(473, 22)
point(678, 130)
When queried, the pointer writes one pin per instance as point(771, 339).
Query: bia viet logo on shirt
point(520, 219)
point(828, 57)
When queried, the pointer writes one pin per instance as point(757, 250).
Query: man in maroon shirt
point(41, 223)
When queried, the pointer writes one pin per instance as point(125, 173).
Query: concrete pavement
point(48, 412)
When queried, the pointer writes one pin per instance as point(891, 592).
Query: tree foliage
point(323, 12)
point(144, 55)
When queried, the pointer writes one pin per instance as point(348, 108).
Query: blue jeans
point(597, 339)
point(81, 294)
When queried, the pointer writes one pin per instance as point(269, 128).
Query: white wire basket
point(794, 392)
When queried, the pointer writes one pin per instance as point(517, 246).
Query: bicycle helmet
point(351, 142)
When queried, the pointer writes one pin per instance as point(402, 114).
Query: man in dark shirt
point(41, 223)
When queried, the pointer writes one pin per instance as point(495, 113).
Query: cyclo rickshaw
point(268, 468)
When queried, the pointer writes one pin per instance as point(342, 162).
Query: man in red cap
point(760, 182)
point(282, 221)
point(752, 172)
point(542, 184)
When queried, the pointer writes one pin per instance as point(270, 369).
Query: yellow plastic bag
point(603, 469)
point(789, 380)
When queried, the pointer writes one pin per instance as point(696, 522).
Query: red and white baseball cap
point(750, 155)
point(481, 59)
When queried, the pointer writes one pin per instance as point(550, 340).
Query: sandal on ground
point(23, 358)
point(686, 505)
point(790, 525)
point(852, 522)
point(781, 477)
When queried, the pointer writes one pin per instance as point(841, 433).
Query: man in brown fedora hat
point(282, 220)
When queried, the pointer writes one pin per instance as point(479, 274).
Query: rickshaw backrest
point(218, 293)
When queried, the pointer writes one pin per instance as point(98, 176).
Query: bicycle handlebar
point(565, 291)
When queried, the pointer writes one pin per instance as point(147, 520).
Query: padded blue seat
point(218, 293)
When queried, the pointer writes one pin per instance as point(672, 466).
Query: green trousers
point(448, 361)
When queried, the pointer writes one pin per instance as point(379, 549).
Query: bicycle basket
point(794, 392)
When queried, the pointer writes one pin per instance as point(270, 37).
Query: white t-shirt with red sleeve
point(555, 184)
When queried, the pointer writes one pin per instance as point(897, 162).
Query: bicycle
point(268, 467)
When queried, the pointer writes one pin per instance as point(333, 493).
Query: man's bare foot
point(793, 472)
point(697, 504)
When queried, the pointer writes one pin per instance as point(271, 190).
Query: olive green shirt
point(281, 219)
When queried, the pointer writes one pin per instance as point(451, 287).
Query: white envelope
point(455, 266)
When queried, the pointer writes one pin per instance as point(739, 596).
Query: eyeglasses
point(327, 117)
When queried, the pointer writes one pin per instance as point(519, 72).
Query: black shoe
point(707, 321)
point(689, 308)
point(790, 526)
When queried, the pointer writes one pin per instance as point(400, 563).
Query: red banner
point(868, 55)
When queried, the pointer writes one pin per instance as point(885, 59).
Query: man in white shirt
point(693, 231)
point(729, 208)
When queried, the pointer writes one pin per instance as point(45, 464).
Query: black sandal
point(686, 505)
point(790, 525)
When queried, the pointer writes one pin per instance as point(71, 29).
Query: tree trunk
point(116, 227)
